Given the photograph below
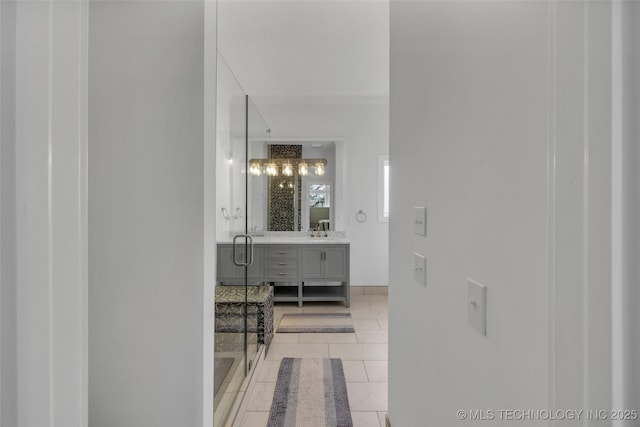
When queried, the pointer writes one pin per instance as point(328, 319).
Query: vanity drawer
point(282, 253)
point(282, 273)
point(280, 263)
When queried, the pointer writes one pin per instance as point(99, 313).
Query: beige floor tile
point(357, 290)
point(364, 356)
point(328, 307)
point(377, 371)
point(372, 337)
point(320, 338)
point(261, 397)
point(359, 351)
point(280, 308)
point(366, 314)
point(326, 310)
point(379, 306)
point(278, 351)
point(376, 290)
point(255, 419)
point(359, 304)
point(364, 419)
point(367, 324)
point(268, 371)
point(354, 371)
point(375, 297)
point(384, 323)
point(367, 396)
point(285, 338)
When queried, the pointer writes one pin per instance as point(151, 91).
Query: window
point(319, 195)
point(383, 188)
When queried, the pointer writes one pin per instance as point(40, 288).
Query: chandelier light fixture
point(273, 167)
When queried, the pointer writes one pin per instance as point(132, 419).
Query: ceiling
point(307, 48)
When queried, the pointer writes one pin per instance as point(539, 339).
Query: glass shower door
point(232, 345)
point(257, 133)
point(236, 328)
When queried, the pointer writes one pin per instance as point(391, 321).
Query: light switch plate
point(420, 220)
point(477, 306)
point(420, 269)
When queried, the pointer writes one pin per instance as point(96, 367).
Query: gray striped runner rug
point(310, 393)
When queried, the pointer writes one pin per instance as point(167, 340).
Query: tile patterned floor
point(363, 353)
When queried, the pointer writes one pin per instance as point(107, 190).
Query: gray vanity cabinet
point(299, 272)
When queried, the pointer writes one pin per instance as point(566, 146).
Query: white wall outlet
point(477, 306)
point(420, 220)
point(420, 269)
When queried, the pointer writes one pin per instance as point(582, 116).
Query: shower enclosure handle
point(248, 256)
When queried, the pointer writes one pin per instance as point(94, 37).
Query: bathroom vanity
point(301, 269)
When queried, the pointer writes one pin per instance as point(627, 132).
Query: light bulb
point(319, 169)
point(255, 169)
point(303, 169)
point(271, 169)
point(287, 169)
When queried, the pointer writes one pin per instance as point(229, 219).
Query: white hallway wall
point(8, 288)
point(150, 227)
point(626, 315)
point(43, 357)
point(144, 301)
point(363, 125)
point(501, 126)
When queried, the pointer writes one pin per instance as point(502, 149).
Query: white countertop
point(294, 238)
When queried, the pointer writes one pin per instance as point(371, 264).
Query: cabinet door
point(335, 264)
point(226, 268)
point(312, 263)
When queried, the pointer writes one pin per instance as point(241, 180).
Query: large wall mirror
point(293, 186)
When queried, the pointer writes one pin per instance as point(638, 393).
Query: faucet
point(255, 232)
point(319, 232)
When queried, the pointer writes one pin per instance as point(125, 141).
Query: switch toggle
point(477, 306)
point(420, 269)
point(420, 221)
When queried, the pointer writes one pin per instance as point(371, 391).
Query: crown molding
point(320, 99)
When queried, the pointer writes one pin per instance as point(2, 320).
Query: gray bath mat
point(316, 322)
